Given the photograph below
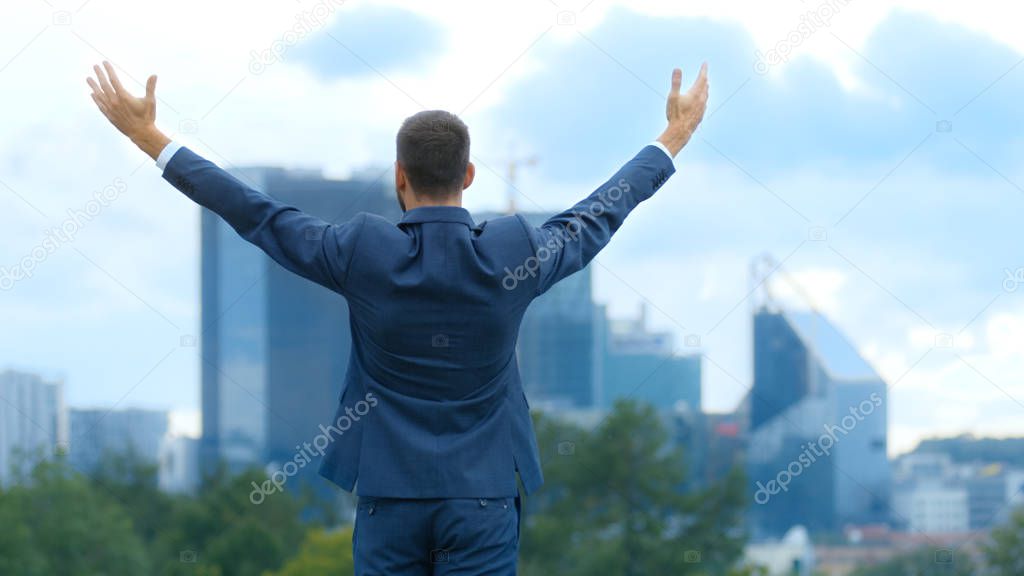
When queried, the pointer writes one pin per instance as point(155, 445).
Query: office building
point(818, 428)
point(932, 508)
point(102, 433)
point(274, 346)
point(560, 339)
point(33, 422)
point(647, 366)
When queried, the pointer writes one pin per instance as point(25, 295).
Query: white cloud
point(56, 149)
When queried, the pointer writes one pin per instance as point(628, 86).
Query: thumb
point(151, 87)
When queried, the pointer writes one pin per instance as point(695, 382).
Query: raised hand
point(685, 111)
point(134, 117)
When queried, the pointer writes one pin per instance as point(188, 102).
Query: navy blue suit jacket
point(432, 406)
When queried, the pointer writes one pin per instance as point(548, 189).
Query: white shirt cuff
point(664, 149)
point(166, 154)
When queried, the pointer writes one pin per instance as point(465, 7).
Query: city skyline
point(899, 161)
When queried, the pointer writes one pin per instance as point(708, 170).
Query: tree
point(1004, 553)
point(613, 503)
point(133, 482)
point(322, 554)
point(56, 522)
point(223, 532)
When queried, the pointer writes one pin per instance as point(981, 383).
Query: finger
point(101, 105)
point(108, 90)
point(677, 81)
point(114, 80)
point(97, 92)
point(151, 87)
point(701, 83)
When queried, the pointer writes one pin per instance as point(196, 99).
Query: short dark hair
point(433, 148)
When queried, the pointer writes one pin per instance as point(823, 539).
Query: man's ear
point(401, 182)
point(470, 175)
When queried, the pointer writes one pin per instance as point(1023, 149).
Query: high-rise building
point(818, 428)
point(100, 433)
point(274, 346)
point(33, 422)
point(560, 345)
point(646, 366)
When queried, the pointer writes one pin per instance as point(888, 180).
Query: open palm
point(129, 114)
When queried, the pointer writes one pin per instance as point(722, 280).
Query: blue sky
point(919, 224)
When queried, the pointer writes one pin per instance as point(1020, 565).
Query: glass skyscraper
point(646, 366)
point(274, 346)
point(560, 346)
point(818, 428)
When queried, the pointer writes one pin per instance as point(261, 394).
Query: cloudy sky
point(869, 147)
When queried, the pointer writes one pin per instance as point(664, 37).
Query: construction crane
point(762, 268)
point(512, 175)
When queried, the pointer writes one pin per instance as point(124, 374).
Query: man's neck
point(454, 201)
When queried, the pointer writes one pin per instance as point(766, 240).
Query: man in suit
point(433, 422)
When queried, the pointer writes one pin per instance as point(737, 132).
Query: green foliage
point(1004, 553)
point(220, 528)
point(116, 521)
point(613, 504)
point(61, 524)
point(322, 554)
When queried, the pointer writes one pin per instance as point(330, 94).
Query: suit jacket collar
point(455, 214)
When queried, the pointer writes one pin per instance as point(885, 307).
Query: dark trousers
point(436, 537)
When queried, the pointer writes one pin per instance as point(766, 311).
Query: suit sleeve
point(303, 244)
point(568, 241)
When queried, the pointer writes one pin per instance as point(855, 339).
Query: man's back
point(434, 337)
point(432, 406)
